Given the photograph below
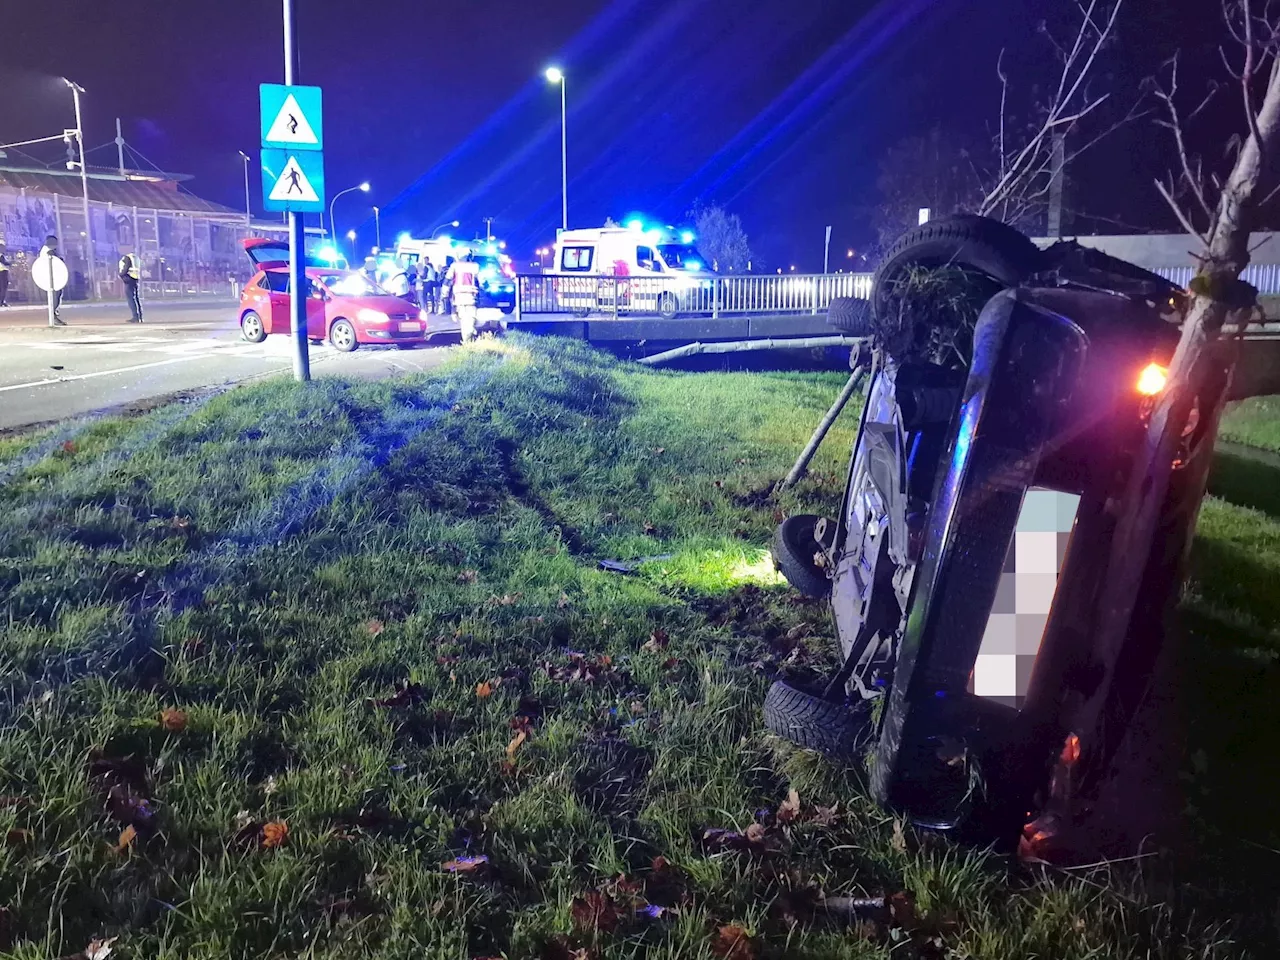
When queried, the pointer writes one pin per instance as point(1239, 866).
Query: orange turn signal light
point(1152, 379)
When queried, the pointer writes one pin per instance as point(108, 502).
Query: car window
point(576, 258)
point(351, 285)
point(277, 281)
point(645, 258)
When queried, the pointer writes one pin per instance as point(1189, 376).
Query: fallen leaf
point(789, 809)
point(733, 943)
point(374, 627)
point(659, 864)
point(407, 694)
point(520, 737)
point(658, 640)
point(129, 808)
point(824, 816)
point(562, 602)
point(181, 524)
point(99, 949)
point(68, 446)
point(18, 837)
point(595, 912)
point(755, 834)
point(274, 834)
point(127, 836)
point(637, 708)
point(465, 864)
point(899, 841)
point(649, 528)
point(484, 689)
point(173, 720)
point(468, 576)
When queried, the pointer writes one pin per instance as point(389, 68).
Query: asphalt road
point(99, 362)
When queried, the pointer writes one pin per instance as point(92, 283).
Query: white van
point(665, 272)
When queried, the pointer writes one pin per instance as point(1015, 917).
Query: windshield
point(683, 256)
point(351, 285)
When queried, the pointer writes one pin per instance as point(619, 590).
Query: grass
point(335, 610)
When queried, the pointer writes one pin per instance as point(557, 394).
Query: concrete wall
point(1169, 250)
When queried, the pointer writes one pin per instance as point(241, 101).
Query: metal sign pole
point(51, 307)
point(297, 239)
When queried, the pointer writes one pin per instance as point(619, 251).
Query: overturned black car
point(1010, 389)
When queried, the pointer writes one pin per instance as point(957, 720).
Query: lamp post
point(556, 75)
point(333, 226)
point(451, 223)
point(377, 228)
point(248, 215)
point(76, 90)
point(351, 235)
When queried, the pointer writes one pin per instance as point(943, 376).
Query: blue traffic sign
point(293, 180)
point(291, 117)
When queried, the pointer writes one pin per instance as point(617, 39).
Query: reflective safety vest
point(130, 267)
point(464, 276)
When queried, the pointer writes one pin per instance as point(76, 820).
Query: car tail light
point(1152, 379)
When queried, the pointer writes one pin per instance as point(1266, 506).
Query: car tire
point(508, 310)
point(810, 721)
point(794, 547)
point(251, 327)
point(979, 243)
point(342, 336)
point(850, 316)
point(668, 307)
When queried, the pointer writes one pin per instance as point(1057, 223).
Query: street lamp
point(556, 75)
point(248, 217)
point(451, 223)
point(333, 227)
point(377, 227)
point(351, 235)
point(76, 90)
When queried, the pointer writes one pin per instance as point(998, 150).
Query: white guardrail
point(738, 295)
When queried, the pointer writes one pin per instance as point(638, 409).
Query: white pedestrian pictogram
point(293, 184)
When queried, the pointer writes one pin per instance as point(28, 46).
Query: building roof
point(154, 191)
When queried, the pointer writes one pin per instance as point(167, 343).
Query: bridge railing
point(679, 294)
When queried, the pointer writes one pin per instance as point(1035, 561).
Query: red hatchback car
point(343, 306)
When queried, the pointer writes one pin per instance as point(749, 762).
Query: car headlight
point(372, 316)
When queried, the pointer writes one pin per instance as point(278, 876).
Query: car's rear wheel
point(668, 306)
point(343, 336)
point(251, 328)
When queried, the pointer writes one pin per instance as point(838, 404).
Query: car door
point(317, 302)
point(277, 318)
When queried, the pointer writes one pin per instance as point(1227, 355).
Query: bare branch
point(1004, 95)
point(1177, 210)
point(1174, 123)
point(1246, 75)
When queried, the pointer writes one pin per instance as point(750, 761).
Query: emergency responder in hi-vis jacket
point(130, 271)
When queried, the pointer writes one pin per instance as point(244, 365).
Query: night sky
point(777, 109)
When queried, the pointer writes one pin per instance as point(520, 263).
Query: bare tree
point(1021, 177)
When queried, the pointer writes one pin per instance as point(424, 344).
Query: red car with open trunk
point(343, 306)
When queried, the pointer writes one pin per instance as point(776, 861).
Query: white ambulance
point(648, 270)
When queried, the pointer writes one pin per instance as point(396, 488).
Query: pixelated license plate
point(1025, 596)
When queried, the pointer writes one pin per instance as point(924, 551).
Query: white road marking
point(102, 373)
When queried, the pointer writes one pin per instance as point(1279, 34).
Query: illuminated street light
point(351, 235)
point(451, 223)
point(333, 227)
point(556, 75)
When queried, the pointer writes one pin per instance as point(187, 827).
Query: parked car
point(343, 306)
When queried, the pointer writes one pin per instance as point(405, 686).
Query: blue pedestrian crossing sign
point(293, 180)
point(291, 117)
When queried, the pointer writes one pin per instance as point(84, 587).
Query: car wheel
point(794, 547)
point(668, 307)
point(342, 335)
point(978, 243)
point(508, 310)
point(251, 328)
point(850, 316)
point(807, 720)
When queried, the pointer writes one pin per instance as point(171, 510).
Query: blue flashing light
point(491, 250)
point(327, 252)
point(635, 224)
point(692, 265)
point(445, 239)
point(686, 237)
point(404, 236)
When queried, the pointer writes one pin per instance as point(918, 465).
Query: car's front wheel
point(251, 328)
point(343, 336)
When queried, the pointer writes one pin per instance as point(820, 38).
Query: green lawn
point(332, 672)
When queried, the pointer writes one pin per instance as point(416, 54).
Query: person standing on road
point(463, 281)
point(130, 270)
point(430, 285)
point(411, 283)
point(50, 249)
point(4, 277)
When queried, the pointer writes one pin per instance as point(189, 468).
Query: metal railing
point(679, 295)
point(799, 294)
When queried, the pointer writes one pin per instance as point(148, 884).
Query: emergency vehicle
point(666, 273)
point(497, 271)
